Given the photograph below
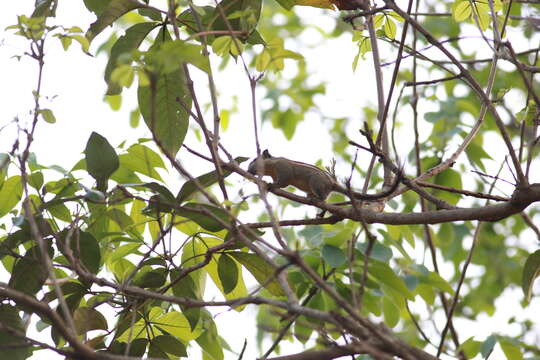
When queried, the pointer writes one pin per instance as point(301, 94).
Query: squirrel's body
point(315, 182)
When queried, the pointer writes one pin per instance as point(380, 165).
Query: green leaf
point(148, 278)
point(224, 45)
point(87, 319)
point(142, 159)
point(462, 10)
point(175, 323)
point(205, 180)
point(476, 154)
point(28, 274)
point(335, 257)
point(172, 53)
point(470, 347)
point(86, 248)
point(531, 271)
point(47, 115)
point(511, 351)
point(391, 312)
point(13, 347)
point(261, 271)
point(209, 340)
point(302, 333)
point(125, 45)
point(35, 180)
point(389, 28)
point(45, 8)
point(205, 215)
point(10, 194)
point(162, 109)
point(12, 241)
point(185, 287)
point(450, 178)
point(433, 279)
point(286, 4)
point(378, 251)
point(228, 273)
point(122, 268)
point(483, 12)
point(120, 218)
point(61, 212)
point(109, 15)
point(101, 160)
point(487, 346)
point(249, 11)
point(168, 345)
point(164, 193)
point(384, 274)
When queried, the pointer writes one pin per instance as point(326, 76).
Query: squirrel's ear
point(266, 154)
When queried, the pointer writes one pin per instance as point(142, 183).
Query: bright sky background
point(74, 84)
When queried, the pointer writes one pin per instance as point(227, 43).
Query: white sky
point(75, 84)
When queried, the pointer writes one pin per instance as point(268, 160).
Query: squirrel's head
point(257, 165)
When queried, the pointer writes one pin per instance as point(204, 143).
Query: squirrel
point(315, 182)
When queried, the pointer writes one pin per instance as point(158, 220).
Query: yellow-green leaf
point(10, 194)
point(390, 28)
point(47, 115)
point(462, 11)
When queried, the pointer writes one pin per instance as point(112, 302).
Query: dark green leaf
point(13, 240)
point(165, 194)
point(28, 274)
point(87, 250)
point(150, 279)
point(96, 6)
point(184, 287)
point(167, 344)
point(101, 160)
point(228, 273)
point(162, 102)
point(205, 215)
point(531, 271)
point(246, 15)
point(87, 319)
point(205, 180)
point(108, 15)
point(13, 347)
point(151, 14)
point(45, 8)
